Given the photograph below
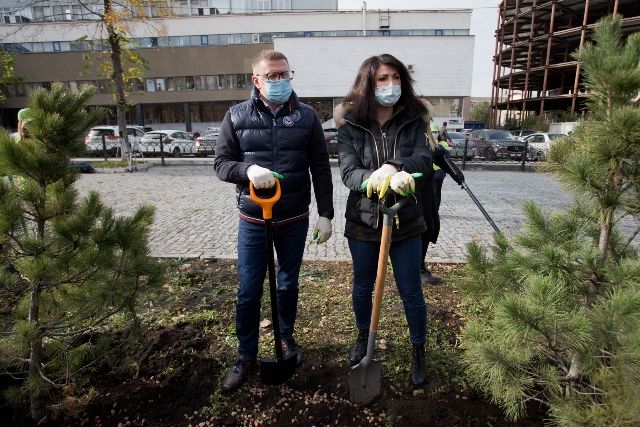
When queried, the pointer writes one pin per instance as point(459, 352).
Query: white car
point(174, 142)
point(539, 144)
point(93, 140)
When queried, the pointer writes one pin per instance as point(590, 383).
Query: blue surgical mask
point(388, 95)
point(278, 91)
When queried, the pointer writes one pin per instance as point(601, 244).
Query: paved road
point(196, 214)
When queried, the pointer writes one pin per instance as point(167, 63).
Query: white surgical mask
point(388, 95)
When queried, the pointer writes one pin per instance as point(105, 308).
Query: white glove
point(260, 177)
point(403, 183)
point(378, 177)
point(322, 231)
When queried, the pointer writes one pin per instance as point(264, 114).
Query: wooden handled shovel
point(365, 378)
point(280, 369)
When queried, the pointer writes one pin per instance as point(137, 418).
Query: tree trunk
point(35, 357)
point(118, 81)
point(36, 397)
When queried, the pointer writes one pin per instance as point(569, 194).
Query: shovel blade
point(274, 371)
point(365, 382)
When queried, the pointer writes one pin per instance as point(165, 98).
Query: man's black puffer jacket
point(356, 153)
point(291, 143)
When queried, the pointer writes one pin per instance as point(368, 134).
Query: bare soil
point(172, 378)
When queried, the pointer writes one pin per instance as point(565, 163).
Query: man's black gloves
point(441, 159)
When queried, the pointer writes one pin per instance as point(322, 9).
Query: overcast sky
point(483, 25)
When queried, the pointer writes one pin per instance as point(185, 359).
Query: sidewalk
point(196, 214)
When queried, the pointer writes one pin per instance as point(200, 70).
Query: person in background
point(433, 192)
point(381, 135)
point(443, 135)
point(272, 132)
point(24, 116)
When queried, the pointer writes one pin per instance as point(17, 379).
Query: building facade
point(534, 71)
point(199, 56)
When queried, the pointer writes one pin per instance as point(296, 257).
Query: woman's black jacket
point(357, 148)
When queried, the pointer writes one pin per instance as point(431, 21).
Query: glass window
point(56, 46)
point(160, 84)
point(170, 83)
point(201, 83)
point(173, 41)
point(135, 85)
point(439, 32)
point(220, 82)
point(194, 41)
point(266, 37)
point(232, 81)
point(210, 82)
point(151, 85)
point(180, 83)
point(190, 83)
point(247, 38)
point(20, 89)
point(235, 38)
point(204, 40)
point(242, 81)
point(214, 39)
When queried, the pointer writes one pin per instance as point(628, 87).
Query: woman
point(381, 134)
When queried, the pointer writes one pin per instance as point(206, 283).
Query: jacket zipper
point(275, 145)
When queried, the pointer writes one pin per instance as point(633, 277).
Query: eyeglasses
point(286, 75)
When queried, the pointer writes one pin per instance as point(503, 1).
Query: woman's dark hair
point(362, 93)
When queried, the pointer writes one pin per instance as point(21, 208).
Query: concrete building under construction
point(534, 71)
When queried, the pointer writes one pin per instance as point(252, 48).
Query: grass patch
point(113, 164)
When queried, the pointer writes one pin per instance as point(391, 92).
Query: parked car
point(174, 142)
point(456, 146)
point(521, 134)
point(205, 144)
point(493, 144)
point(331, 138)
point(539, 144)
point(93, 140)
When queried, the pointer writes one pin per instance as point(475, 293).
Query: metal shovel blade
point(274, 371)
point(365, 382)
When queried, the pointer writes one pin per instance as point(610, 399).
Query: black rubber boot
point(418, 375)
point(359, 349)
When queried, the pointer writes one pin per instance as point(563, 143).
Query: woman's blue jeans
point(406, 261)
point(289, 243)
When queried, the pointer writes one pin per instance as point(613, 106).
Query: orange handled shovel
point(280, 369)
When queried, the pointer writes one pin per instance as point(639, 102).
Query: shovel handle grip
point(267, 203)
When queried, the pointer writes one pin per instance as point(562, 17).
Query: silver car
point(539, 144)
point(456, 146)
point(94, 139)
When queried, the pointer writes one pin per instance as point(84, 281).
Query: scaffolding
point(534, 71)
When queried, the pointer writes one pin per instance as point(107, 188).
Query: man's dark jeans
point(405, 258)
point(289, 241)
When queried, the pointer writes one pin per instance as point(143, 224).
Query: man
point(24, 116)
point(443, 135)
point(272, 132)
point(431, 195)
